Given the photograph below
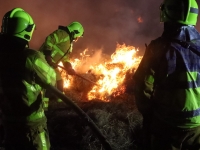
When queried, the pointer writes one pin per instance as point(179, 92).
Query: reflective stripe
point(188, 76)
point(149, 79)
point(194, 10)
point(65, 39)
point(31, 91)
point(46, 103)
point(187, 114)
point(186, 101)
point(184, 80)
point(56, 37)
point(57, 50)
point(43, 140)
point(34, 116)
point(188, 80)
point(50, 74)
point(49, 43)
point(42, 65)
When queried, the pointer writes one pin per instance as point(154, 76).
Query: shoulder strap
point(66, 30)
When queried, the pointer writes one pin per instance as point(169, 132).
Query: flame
point(111, 74)
point(139, 19)
point(66, 79)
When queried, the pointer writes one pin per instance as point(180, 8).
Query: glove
point(69, 68)
point(71, 71)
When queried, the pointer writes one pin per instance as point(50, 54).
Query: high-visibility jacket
point(59, 44)
point(168, 79)
point(24, 73)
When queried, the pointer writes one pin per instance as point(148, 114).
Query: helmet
point(179, 11)
point(18, 23)
point(76, 29)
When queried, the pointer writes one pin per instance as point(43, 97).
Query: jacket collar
point(181, 32)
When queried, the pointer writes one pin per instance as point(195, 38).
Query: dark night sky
point(106, 22)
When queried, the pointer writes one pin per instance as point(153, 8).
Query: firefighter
point(167, 80)
point(58, 47)
point(23, 73)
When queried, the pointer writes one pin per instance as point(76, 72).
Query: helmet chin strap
point(76, 39)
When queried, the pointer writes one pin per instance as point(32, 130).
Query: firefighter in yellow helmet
point(58, 47)
point(167, 81)
point(23, 74)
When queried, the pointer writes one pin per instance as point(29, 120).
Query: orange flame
point(111, 74)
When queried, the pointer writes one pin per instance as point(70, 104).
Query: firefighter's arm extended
point(68, 68)
point(48, 58)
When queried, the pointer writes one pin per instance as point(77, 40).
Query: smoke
point(90, 59)
point(106, 22)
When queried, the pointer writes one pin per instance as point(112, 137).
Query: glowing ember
point(110, 74)
point(140, 20)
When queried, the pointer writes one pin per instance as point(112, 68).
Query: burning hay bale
point(83, 84)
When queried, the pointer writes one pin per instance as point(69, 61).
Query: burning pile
point(101, 81)
point(108, 74)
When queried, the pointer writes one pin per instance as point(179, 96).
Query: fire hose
point(79, 111)
point(83, 115)
point(79, 75)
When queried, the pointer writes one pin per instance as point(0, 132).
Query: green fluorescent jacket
point(23, 74)
point(168, 80)
point(59, 44)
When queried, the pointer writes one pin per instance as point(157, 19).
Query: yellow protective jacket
point(168, 79)
point(24, 73)
point(59, 44)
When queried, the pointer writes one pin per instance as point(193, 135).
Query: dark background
point(106, 22)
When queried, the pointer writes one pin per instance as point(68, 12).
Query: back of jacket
point(23, 72)
point(171, 73)
point(59, 44)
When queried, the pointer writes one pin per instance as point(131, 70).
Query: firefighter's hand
point(69, 68)
point(71, 71)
